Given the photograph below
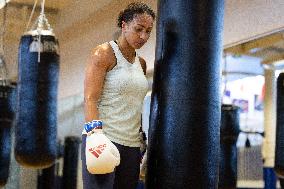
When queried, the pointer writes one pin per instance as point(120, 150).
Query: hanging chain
point(41, 22)
point(31, 16)
point(39, 25)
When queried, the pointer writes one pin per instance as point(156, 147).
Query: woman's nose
point(144, 35)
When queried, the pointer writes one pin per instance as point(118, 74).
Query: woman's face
point(138, 31)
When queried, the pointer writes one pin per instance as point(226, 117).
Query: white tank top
point(120, 104)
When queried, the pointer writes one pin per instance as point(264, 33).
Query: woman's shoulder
point(103, 54)
point(102, 51)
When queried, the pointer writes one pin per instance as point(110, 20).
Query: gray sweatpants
point(125, 176)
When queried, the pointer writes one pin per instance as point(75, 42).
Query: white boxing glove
point(102, 156)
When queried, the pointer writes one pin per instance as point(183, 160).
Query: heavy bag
point(49, 178)
point(6, 120)
point(6, 106)
point(184, 148)
point(229, 132)
point(282, 183)
point(5, 154)
point(70, 165)
point(279, 148)
point(35, 141)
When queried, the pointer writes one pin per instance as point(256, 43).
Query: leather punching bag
point(282, 183)
point(279, 149)
point(70, 167)
point(49, 178)
point(6, 120)
point(184, 137)
point(35, 141)
point(230, 129)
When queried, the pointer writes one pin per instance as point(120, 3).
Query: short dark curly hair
point(132, 10)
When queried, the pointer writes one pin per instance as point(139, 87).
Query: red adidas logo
point(96, 151)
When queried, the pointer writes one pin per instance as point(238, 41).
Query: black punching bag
point(7, 110)
point(279, 150)
point(70, 166)
point(186, 106)
point(35, 141)
point(282, 183)
point(230, 129)
point(49, 178)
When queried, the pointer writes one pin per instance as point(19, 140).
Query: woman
point(115, 86)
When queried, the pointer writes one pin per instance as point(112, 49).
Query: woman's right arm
point(95, 72)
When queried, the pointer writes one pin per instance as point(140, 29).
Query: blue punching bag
point(279, 149)
point(229, 132)
point(184, 137)
point(36, 119)
point(6, 120)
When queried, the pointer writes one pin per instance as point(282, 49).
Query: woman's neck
point(127, 51)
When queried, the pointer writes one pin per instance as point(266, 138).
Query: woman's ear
point(123, 25)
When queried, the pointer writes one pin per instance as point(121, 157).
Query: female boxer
point(114, 88)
